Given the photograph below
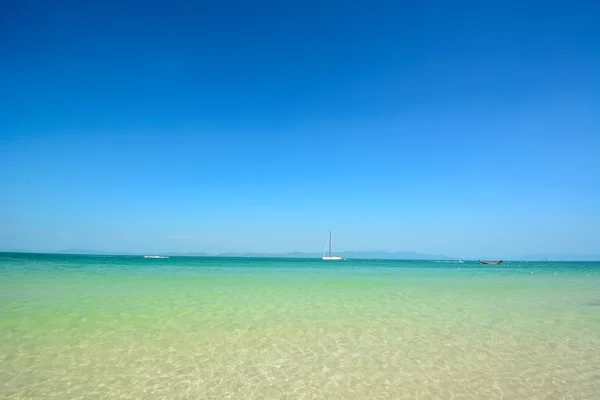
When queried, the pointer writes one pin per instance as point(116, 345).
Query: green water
point(95, 327)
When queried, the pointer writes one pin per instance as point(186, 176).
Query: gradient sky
point(470, 129)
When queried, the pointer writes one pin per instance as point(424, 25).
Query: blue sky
point(464, 128)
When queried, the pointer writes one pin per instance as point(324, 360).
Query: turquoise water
point(107, 327)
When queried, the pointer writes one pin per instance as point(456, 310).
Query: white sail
point(327, 255)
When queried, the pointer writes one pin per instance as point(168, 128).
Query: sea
point(128, 327)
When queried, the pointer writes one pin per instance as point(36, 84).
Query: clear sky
point(470, 129)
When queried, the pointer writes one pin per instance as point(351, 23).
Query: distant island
point(380, 255)
point(364, 255)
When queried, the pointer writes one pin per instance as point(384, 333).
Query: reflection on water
point(121, 327)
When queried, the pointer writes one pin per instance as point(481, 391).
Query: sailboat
point(327, 254)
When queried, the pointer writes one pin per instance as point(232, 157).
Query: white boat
point(327, 253)
point(156, 257)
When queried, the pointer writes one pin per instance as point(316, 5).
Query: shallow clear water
point(134, 328)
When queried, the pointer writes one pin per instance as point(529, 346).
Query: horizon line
point(305, 255)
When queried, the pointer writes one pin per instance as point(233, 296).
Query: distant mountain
point(294, 254)
point(398, 255)
point(83, 251)
point(381, 255)
point(189, 254)
point(373, 255)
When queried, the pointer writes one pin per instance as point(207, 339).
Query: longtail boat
point(490, 262)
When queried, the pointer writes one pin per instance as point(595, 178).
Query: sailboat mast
point(329, 243)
